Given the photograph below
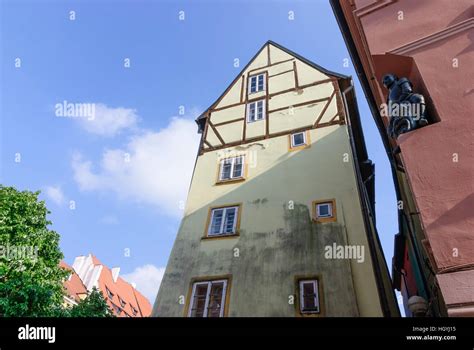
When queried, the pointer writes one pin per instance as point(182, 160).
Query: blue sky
point(135, 205)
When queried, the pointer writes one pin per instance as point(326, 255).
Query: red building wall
point(437, 37)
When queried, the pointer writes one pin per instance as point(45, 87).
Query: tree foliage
point(31, 281)
point(94, 305)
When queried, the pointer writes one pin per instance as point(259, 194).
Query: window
point(134, 310)
point(117, 310)
point(223, 221)
point(208, 299)
point(109, 293)
point(256, 83)
point(299, 140)
point(309, 296)
point(231, 168)
point(122, 302)
point(255, 111)
point(324, 210)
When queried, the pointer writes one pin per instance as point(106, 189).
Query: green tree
point(31, 281)
point(94, 305)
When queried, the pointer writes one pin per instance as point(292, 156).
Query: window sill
point(255, 92)
point(297, 148)
point(255, 121)
point(309, 314)
point(223, 182)
point(324, 220)
point(234, 235)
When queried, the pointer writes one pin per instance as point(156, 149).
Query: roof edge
point(288, 51)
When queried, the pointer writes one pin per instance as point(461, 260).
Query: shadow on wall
point(283, 243)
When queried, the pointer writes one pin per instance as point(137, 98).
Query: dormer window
point(122, 302)
point(255, 111)
point(109, 293)
point(134, 311)
point(256, 83)
point(117, 309)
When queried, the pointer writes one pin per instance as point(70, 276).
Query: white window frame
point(256, 110)
point(256, 83)
point(305, 142)
point(208, 293)
point(233, 162)
point(221, 231)
point(329, 204)
point(316, 297)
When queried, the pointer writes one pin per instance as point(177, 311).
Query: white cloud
point(108, 121)
point(147, 279)
point(153, 168)
point(55, 193)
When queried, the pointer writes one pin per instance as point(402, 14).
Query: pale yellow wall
point(231, 132)
point(212, 138)
point(228, 114)
point(282, 82)
point(233, 96)
point(294, 118)
point(308, 74)
point(320, 173)
point(302, 116)
point(278, 55)
point(285, 242)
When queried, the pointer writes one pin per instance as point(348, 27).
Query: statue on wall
point(406, 109)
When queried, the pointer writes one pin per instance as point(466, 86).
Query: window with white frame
point(223, 221)
point(309, 296)
point(256, 83)
point(231, 168)
point(208, 299)
point(298, 139)
point(324, 210)
point(255, 111)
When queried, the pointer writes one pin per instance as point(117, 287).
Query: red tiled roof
point(136, 305)
point(95, 260)
point(73, 283)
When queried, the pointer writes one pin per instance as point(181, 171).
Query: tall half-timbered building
point(279, 219)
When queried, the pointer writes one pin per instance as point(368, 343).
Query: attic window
point(122, 302)
point(256, 83)
point(117, 310)
point(134, 311)
point(255, 111)
point(109, 293)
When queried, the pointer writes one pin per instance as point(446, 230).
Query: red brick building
point(432, 44)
